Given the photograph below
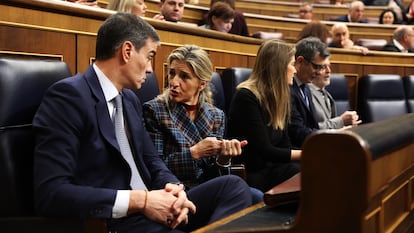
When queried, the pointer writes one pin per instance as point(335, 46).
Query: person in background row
point(336, 2)
point(402, 41)
point(136, 7)
point(396, 5)
point(94, 158)
point(239, 26)
point(185, 126)
point(355, 13)
point(388, 16)
point(324, 104)
point(220, 17)
point(340, 39)
point(315, 29)
point(260, 112)
point(305, 10)
point(409, 13)
point(85, 2)
point(171, 10)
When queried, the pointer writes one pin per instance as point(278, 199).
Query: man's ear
point(126, 51)
point(299, 60)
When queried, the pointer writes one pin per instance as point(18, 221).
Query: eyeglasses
point(304, 11)
point(318, 67)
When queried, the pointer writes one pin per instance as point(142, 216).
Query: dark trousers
point(214, 199)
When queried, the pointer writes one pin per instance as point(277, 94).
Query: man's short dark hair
point(119, 28)
point(309, 47)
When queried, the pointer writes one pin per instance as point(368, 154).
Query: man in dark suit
point(81, 169)
point(402, 41)
point(310, 56)
point(355, 13)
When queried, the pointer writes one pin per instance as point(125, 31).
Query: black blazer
point(344, 18)
point(302, 122)
point(390, 47)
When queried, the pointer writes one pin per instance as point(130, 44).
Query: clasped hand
point(169, 206)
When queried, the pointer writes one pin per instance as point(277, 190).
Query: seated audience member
point(396, 5)
point(171, 10)
point(388, 16)
point(136, 7)
point(239, 26)
point(185, 126)
point(85, 164)
point(355, 13)
point(340, 38)
point(402, 41)
point(220, 17)
point(260, 112)
point(85, 2)
point(324, 104)
point(305, 10)
point(315, 29)
point(311, 55)
point(336, 2)
point(409, 13)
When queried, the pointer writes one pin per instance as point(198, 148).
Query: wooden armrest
point(285, 192)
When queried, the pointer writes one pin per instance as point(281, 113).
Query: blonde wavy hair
point(199, 61)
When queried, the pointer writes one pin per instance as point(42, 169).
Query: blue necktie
point(136, 180)
point(304, 95)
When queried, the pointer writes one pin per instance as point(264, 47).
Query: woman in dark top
point(239, 26)
point(260, 112)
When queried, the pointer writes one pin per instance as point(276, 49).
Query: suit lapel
point(105, 124)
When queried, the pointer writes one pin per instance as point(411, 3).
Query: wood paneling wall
point(62, 30)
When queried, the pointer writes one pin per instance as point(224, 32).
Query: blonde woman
point(260, 112)
point(185, 126)
point(136, 7)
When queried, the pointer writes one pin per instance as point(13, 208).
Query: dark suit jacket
point(390, 47)
point(302, 122)
point(78, 165)
point(344, 18)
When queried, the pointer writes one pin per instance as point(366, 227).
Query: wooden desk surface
point(255, 218)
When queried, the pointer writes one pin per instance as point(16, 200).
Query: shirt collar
point(398, 45)
point(108, 87)
point(298, 81)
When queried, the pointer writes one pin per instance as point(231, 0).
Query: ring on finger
point(169, 221)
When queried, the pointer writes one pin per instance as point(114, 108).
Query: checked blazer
point(173, 133)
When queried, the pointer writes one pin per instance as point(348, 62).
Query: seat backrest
point(372, 44)
point(380, 96)
point(218, 92)
point(409, 92)
point(149, 89)
point(22, 86)
point(232, 77)
point(338, 88)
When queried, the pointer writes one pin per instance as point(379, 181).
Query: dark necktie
point(136, 180)
point(304, 94)
point(327, 101)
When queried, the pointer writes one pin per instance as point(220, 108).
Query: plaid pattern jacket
point(173, 133)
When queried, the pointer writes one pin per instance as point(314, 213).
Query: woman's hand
point(211, 146)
